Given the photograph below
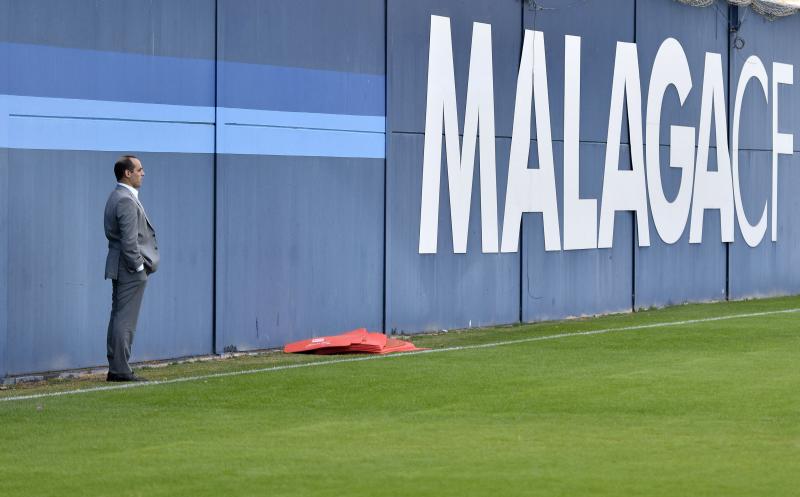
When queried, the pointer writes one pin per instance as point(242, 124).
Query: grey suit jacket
point(131, 237)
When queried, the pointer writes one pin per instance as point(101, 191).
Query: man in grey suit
point(132, 257)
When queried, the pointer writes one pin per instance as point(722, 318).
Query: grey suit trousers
point(126, 300)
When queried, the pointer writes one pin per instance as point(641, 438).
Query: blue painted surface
point(344, 36)
point(771, 268)
point(117, 83)
point(300, 248)
point(299, 235)
point(3, 260)
point(97, 75)
point(560, 284)
point(70, 124)
point(301, 130)
point(331, 65)
point(59, 304)
point(295, 89)
point(681, 272)
point(772, 42)
point(298, 120)
point(176, 316)
point(269, 140)
point(698, 31)
point(171, 28)
point(27, 131)
point(104, 109)
point(580, 282)
point(443, 290)
point(408, 36)
point(601, 24)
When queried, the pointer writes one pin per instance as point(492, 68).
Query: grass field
point(704, 408)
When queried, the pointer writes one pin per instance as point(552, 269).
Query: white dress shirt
point(135, 194)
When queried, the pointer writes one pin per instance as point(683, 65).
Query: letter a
point(624, 190)
point(531, 190)
point(712, 189)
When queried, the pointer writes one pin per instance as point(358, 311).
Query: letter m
point(441, 110)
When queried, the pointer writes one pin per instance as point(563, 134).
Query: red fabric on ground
point(353, 342)
point(335, 341)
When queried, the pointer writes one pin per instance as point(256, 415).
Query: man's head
point(128, 169)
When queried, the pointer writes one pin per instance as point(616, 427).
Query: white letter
point(782, 143)
point(531, 190)
point(580, 215)
point(753, 68)
point(669, 68)
point(712, 189)
point(624, 190)
point(442, 101)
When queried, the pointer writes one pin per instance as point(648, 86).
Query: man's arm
point(129, 233)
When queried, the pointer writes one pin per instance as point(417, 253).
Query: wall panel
point(770, 268)
point(301, 170)
point(58, 301)
point(408, 36)
point(283, 144)
point(167, 28)
point(443, 290)
point(699, 31)
point(300, 248)
point(600, 24)
point(82, 85)
point(772, 42)
point(559, 284)
point(681, 272)
point(668, 274)
point(3, 204)
point(3, 260)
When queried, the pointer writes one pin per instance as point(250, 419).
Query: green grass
point(703, 409)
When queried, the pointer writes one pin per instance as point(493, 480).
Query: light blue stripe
point(109, 135)
point(340, 122)
point(72, 124)
point(67, 124)
point(104, 109)
point(268, 140)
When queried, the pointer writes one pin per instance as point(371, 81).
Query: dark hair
point(124, 163)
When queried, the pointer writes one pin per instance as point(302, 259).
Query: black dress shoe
point(124, 377)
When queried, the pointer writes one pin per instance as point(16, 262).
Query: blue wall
point(580, 282)
point(445, 290)
point(83, 83)
point(770, 268)
point(681, 272)
point(301, 175)
point(283, 143)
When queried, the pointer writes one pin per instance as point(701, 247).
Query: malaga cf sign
point(638, 189)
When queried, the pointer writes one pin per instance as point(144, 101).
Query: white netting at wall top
point(770, 9)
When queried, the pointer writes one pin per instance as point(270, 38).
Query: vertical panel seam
point(214, 185)
point(521, 314)
point(386, 156)
point(634, 221)
point(729, 126)
point(4, 320)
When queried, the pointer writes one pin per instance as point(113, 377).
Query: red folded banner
point(358, 341)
